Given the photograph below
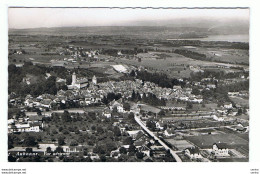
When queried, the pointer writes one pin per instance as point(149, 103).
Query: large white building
point(120, 68)
point(220, 149)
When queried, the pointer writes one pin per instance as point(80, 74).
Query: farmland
point(207, 141)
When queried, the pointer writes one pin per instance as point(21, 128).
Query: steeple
point(73, 79)
point(94, 80)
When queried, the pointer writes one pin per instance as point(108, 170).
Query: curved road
point(177, 158)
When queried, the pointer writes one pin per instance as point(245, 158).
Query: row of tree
point(160, 79)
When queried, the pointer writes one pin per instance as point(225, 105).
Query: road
point(138, 120)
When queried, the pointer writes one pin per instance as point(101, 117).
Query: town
point(110, 98)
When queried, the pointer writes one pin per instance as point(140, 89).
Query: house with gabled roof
point(160, 125)
point(169, 132)
point(144, 149)
point(227, 105)
point(135, 109)
point(46, 103)
point(135, 134)
point(193, 153)
point(107, 113)
point(117, 105)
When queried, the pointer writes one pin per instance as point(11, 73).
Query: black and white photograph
point(128, 84)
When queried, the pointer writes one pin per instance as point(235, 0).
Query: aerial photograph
point(128, 84)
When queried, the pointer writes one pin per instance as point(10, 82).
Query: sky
point(20, 18)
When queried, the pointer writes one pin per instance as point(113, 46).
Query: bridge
point(173, 153)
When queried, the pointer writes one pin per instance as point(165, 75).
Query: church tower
point(94, 80)
point(73, 79)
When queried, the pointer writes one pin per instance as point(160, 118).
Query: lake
point(228, 38)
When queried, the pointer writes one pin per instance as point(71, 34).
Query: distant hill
point(163, 29)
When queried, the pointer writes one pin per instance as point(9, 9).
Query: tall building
point(94, 80)
point(74, 78)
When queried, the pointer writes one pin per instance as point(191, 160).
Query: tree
point(189, 105)
point(195, 91)
point(74, 143)
point(132, 148)
point(55, 117)
point(66, 116)
point(133, 97)
point(169, 157)
point(61, 141)
point(100, 130)
point(239, 112)
point(126, 106)
point(151, 125)
point(123, 158)
point(28, 63)
point(28, 150)
point(39, 112)
point(68, 79)
point(117, 131)
point(11, 158)
point(132, 73)
point(54, 131)
point(123, 150)
point(161, 113)
point(131, 117)
point(65, 132)
point(103, 158)
point(85, 151)
point(59, 149)
point(77, 131)
point(139, 155)
point(93, 127)
point(10, 142)
point(128, 141)
point(110, 145)
point(48, 150)
point(29, 141)
point(60, 129)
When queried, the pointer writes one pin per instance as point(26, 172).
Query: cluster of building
point(77, 52)
point(86, 92)
point(219, 150)
point(30, 123)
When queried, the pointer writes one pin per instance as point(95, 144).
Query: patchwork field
point(174, 65)
point(226, 55)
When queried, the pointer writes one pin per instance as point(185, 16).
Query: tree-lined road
point(138, 120)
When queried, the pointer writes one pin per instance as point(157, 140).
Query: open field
point(179, 144)
point(174, 65)
point(243, 116)
point(207, 141)
point(36, 57)
point(241, 101)
point(225, 55)
point(148, 108)
point(206, 131)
